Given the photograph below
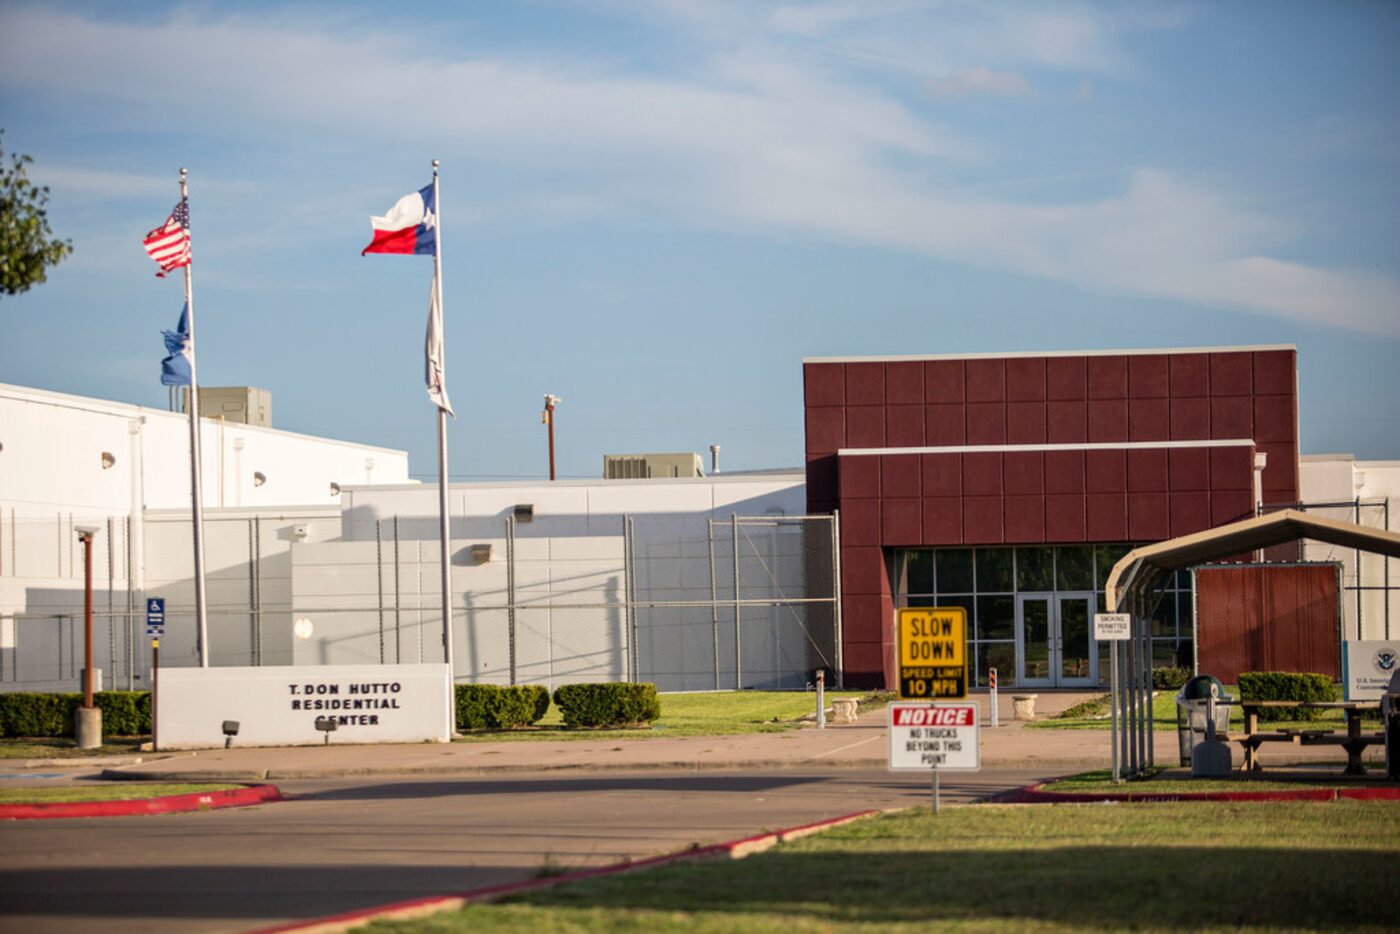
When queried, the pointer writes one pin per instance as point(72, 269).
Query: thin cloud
point(961, 82)
point(754, 136)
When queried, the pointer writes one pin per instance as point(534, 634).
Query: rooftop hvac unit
point(248, 405)
point(645, 466)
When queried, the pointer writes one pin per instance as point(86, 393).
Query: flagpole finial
point(184, 171)
point(435, 166)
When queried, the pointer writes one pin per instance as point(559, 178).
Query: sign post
point(155, 628)
point(933, 665)
point(1113, 627)
point(934, 736)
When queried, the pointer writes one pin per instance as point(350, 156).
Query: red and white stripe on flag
point(169, 244)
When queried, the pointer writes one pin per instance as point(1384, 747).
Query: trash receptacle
point(1390, 722)
point(1192, 704)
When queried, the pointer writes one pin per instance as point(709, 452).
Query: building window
point(987, 581)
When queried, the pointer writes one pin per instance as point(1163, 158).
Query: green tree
point(27, 247)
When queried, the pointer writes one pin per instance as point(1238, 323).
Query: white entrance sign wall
point(1368, 666)
point(279, 706)
point(934, 736)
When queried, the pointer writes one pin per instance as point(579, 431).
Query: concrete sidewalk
point(863, 744)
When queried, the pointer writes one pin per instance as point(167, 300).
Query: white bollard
point(992, 683)
point(821, 699)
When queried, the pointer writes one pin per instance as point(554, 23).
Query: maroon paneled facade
point(1131, 446)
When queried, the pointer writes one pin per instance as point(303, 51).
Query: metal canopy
point(1136, 580)
point(1145, 566)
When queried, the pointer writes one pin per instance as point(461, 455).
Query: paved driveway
point(350, 843)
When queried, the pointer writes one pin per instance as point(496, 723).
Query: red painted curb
point(432, 904)
point(1035, 794)
point(168, 804)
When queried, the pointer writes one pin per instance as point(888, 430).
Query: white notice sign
point(926, 736)
point(1112, 627)
point(1368, 666)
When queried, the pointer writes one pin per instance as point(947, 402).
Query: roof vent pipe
point(714, 458)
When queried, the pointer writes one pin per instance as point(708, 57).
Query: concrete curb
point(433, 904)
point(167, 804)
point(1035, 794)
point(677, 765)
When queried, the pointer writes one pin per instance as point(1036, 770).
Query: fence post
point(398, 645)
point(510, 596)
point(714, 597)
point(738, 640)
point(836, 596)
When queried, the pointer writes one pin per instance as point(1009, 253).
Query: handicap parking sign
point(155, 616)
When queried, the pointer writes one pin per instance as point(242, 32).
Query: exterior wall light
point(259, 478)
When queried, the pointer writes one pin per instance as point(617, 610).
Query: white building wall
point(570, 577)
point(53, 478)
point(1367, 492)
point(51, 448)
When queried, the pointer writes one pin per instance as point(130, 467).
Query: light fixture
point(108, 461)
point(230, 731)
point(302, 628)
point(326, 725)
point(335, 488)
point(259, 478)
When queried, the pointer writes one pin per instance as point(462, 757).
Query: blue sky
point(656, 209)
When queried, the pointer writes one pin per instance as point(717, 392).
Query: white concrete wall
point(51, 459)
point(52, 479)
point(569, 565)
point(1339, 478)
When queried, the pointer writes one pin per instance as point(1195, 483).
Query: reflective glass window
point(954, 570)
point(996, 617)
point(1035, 569)
point(1074, 568)
point(994, 570)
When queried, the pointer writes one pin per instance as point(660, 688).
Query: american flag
point(169, 244)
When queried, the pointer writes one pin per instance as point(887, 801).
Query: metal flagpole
point(197, 500)
point(442, 450)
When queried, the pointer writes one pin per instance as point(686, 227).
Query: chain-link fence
point(685, 601)
point(1370, 596)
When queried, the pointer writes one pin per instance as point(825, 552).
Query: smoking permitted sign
point(932, 653)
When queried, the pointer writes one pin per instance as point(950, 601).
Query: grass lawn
point(115, 791)
point(62, 748)
point(1175, 781)
point(707, 714)
point(1267, 867)
point(1094, 715)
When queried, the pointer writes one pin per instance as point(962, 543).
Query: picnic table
point(1354, 742)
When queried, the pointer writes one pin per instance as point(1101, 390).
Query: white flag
point(435, 364)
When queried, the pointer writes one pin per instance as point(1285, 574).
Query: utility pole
point(547, 417)
point(87, 728)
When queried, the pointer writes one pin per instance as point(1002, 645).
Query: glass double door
point(1055, 640)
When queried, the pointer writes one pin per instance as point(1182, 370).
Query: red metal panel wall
point(1262, 617)
point(1095, 496)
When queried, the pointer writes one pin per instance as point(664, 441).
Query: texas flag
point(409, 227)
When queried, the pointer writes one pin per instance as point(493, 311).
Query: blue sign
point(155, 616)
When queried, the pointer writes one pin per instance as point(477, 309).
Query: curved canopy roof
point(1142, 568)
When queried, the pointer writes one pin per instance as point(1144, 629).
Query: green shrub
point(1287, 686)
point(124, 713)
point(492, 707)
point(1170, 679)
point(30, 714)
point(612, 703)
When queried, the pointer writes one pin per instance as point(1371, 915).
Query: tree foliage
point(27, 245)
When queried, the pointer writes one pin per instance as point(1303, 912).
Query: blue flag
point(175, 369)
